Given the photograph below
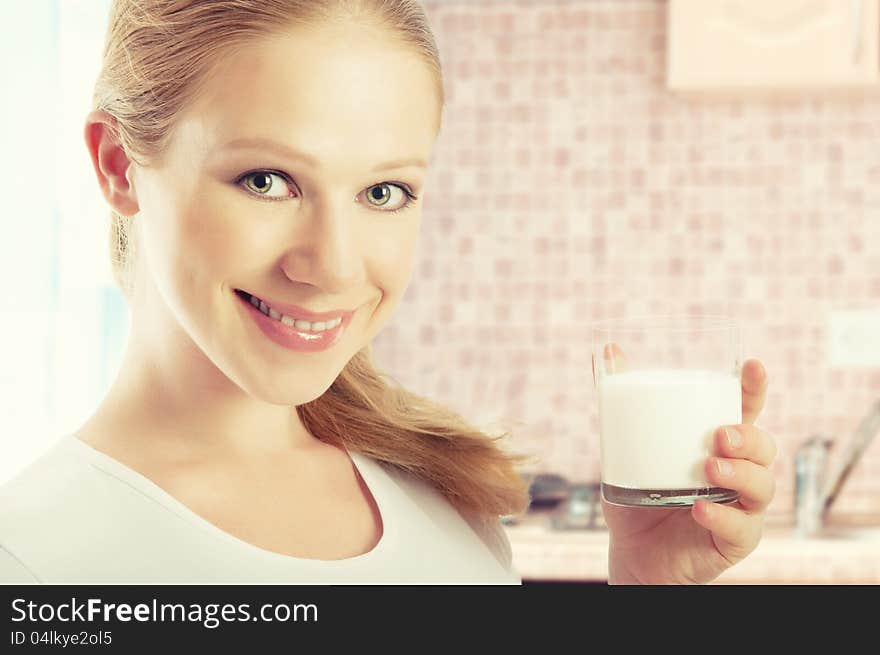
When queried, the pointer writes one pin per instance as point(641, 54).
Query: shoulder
point(492, 533)
point(488, 528)
point(23, 501)
point(45, 483)
point(13, 570)
point(40, 507)
point(28, 487)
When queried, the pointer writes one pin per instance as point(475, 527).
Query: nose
point(326, 246)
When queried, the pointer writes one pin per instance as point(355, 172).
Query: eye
point(264, 184)
point(380, 195)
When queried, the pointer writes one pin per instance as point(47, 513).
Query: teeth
point(320, 326)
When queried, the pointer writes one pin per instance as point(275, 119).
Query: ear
point(111, 163)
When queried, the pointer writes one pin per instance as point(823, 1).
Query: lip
point(301, 313)
point(291, 338)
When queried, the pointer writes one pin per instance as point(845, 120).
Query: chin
point(294, 393)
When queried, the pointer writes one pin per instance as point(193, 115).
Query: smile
point(293, 333)
point(299, 324)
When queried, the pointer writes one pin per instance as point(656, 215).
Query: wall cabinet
point(773, 44)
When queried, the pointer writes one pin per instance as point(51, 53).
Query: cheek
point(191, 244)
point(392, 262)
point(216, 236)
point(211, 239)
point(192, 247)
point(390, 265)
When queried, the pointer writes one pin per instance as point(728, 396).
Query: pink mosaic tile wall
point(568, 185)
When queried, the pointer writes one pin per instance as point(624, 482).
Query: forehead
point(338, 93)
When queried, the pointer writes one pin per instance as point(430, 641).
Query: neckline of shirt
point(373, 478)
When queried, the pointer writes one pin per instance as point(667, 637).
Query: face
point(290, 180)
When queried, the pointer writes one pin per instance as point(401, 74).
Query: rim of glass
point(667, 323)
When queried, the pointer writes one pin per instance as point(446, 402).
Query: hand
point(695, 545)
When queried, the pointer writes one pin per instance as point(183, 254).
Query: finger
point(746, 442)
point(754, 389)
point(755, 484)
point(735, 532)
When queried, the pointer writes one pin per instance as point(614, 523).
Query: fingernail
point(734, 438)
point(724, 467)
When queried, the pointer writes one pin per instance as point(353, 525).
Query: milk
point(657, 425)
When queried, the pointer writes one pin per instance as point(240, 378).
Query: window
point(64, 322)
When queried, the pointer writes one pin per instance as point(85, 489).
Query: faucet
point(815, 492)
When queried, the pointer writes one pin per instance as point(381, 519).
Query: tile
point(569, 186)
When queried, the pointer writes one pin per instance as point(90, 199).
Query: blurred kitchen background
point(598, 159)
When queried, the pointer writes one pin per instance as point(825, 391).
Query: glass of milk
point(665, 384)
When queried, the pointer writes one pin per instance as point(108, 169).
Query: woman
point(265, 164)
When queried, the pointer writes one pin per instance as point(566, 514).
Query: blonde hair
point(158, 54)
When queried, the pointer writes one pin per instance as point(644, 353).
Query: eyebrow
point(268, 144)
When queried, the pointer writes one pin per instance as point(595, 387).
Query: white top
point(76, 515)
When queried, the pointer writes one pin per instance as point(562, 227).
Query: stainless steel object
point(811, 508)
point(867, 430)
point(546, 491)
point(581, 511)
point(810, 467)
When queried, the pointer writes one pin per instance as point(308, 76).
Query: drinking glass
point(664, 385)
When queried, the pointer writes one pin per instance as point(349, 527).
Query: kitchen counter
point(844, 554)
